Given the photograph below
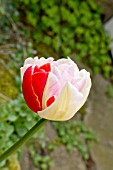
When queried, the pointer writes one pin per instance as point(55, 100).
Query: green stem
point(24, 139)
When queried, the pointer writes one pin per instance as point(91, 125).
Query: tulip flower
point(55, 90)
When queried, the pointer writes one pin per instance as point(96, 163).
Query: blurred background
point(82, 30)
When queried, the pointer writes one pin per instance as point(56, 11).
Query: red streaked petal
point(39, 81)
point(50, 101)
point(29, 95)
point(46, 67)
point(36, 69)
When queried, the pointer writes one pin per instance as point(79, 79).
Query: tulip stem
point(23, 140)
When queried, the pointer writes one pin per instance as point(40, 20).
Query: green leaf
point(12, 117)
point(9, 129)
point(21, 129)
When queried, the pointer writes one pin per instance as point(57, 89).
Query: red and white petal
point(65, 106)
point(46, 67)
point(52, 88)
point(29, 95)
point(50, 101)
point(39, 80)
point(36, 61)
point(28, 62)
point(43, 68)
point(23, 69)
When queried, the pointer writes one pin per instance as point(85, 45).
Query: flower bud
point(55, 90)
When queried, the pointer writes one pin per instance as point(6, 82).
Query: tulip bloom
point(55, 90)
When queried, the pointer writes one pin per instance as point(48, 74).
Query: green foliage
point(15, 120)
point(69, 27)
point(41, 161)
point(22, 51)
point(75, 134)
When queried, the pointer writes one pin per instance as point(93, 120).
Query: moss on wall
point(7, 83)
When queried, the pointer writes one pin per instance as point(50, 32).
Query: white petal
point(66, 74)
point(41, 61)
point(29, 61)
point(86, 88)
point(52, 88)
point(63, 61)
point(83, 84)
point(67, 69)
point(65, 106)
point(56, 71)
point(74, 71)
